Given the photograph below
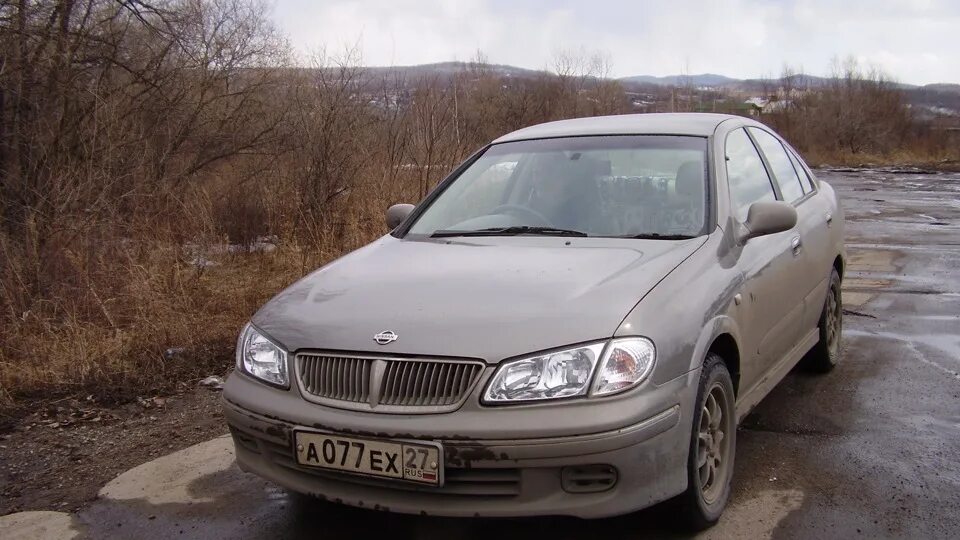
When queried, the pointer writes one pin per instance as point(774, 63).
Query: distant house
point(642, 102)
point(776, 106)
point(753, 106)
point(740, 108)
point(761, 105)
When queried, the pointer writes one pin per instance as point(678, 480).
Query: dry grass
point(161, 320)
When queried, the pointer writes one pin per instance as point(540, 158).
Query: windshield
point(624, 186)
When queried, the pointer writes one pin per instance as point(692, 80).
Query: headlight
point(623, 362)
point(553, 375)
point(261, 358)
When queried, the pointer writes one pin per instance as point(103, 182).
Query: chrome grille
point(336, 377)
point(424, 383)
point(386, 384)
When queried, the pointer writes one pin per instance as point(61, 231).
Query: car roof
point(697, 124)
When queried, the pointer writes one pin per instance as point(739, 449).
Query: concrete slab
point(40, 525)
point(168, 480)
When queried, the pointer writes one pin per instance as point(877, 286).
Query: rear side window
point(804, 177)
point(783, 170)
point(746, 174)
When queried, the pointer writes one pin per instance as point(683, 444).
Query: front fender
point(688, 309)
point(716, 327)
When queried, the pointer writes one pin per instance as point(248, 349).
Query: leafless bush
point(114, 114)
point(857, 115)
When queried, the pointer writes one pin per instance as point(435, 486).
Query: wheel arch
point(726, 347)
point(838, 265)
point(721, 336)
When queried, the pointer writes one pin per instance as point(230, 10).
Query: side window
point(779, 161)
point(804, 177)
point(746, 174)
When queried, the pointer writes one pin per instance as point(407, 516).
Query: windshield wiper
point(509, 231)
point(658, 236)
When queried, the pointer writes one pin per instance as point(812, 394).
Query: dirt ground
point(58, 457)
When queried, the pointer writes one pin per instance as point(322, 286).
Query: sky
point(915, 42)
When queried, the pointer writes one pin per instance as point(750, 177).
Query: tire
point(712, 446)
point(825, 355)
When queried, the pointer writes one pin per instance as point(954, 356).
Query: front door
point(770, 312)
point(810, 237)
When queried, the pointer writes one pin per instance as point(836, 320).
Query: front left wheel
point(712, 447)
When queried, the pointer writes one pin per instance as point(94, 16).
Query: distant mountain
point(946, 88)
point(444, 69)
point(452, 68)
point(800, 80)
point(936, 99)
point(703, 79)
point(928, 99)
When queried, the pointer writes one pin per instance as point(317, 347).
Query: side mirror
point(768, 217)
point(397, 213)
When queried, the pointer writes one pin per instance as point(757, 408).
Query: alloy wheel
point(834, 320)
point(713, 446)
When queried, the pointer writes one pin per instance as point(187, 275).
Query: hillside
point(937, 99)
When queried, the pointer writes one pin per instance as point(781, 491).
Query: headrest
point(690, 178)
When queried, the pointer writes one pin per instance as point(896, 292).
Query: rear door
point(819, 246)
point(770, 313)
point(808, 240)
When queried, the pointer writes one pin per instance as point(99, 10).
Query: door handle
point(797, 245)
point(829, 217)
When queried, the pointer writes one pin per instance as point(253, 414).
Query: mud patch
point(856, 299)
point(872, 260)
point(57, 459)
point(757, 517)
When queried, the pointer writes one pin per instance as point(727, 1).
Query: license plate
point(400, 460)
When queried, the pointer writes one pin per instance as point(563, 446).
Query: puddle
point(948, 344)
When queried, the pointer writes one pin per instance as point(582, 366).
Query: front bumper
point(515, 476)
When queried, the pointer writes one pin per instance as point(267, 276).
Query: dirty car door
point(808, 239)
point(815, 223)
point(771, 309)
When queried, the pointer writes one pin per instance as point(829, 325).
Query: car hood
point(486, 298)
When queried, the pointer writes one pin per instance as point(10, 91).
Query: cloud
point(740, 38)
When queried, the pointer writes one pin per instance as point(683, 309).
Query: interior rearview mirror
point(768, 217)
point(397, 213)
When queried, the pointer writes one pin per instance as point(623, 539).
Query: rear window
point(802, 171)
point(783, 171)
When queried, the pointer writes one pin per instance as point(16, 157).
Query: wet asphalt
point(870, 450)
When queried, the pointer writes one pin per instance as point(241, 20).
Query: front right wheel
point(712, 447)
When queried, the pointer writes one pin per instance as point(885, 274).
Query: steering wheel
point(517, 209)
